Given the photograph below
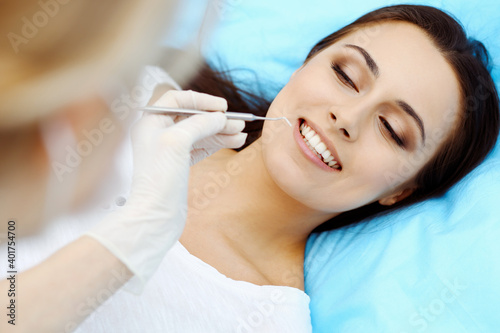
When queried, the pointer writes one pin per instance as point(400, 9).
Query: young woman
point(378, 124)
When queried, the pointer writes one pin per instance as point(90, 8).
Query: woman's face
point(381, 100)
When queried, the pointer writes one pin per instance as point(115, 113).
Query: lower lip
point(307, 152)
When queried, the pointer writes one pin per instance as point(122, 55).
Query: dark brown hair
point(476, 129)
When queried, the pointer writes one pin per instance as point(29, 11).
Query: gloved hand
point(164, 147)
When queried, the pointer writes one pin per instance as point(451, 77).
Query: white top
point(184, 295)
point(188, 295)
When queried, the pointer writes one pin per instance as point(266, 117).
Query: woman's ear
point(396, 197)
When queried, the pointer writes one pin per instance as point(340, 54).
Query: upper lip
point(324, 139)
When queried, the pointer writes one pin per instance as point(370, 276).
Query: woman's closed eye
point(388, 128)
point(344, 77)
point(346, 80)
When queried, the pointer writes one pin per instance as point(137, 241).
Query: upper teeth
point(316, 145)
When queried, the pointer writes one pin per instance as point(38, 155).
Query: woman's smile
point(316, 146)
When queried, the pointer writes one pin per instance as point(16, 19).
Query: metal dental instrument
point(229, 114)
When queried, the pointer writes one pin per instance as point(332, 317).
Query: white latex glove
point(164, 147)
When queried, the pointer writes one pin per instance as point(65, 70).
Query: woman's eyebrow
point(372, 65)
point(409, 110)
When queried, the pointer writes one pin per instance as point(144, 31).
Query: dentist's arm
point(130, 243)
point(153, 218)
point(58, 294)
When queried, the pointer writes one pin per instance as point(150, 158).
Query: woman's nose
point(341, 129)
point(347, 127)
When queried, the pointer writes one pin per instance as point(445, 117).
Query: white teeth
point(314, 143)
point(332, 163)
point(314, 140)
point(326, 154)
point(320, 148)
point(309, 135)
point(328, 159)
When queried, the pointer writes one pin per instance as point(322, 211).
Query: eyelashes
point(400, 142)
point(346, 80)
point(343, 76)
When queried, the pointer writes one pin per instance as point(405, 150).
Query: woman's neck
point(233, 195)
